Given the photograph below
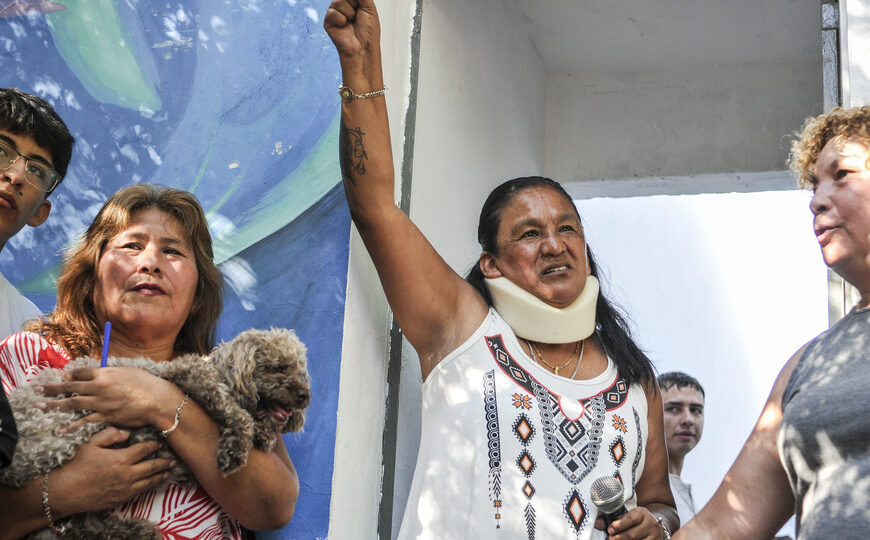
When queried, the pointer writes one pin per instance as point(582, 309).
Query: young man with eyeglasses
point(35, 150)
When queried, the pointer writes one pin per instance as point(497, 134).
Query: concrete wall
point(480, 118)
point(713, 294)
point(356, 485)
point(725, 118)
point(855, 52)
point(487, 109)
point(480, 121)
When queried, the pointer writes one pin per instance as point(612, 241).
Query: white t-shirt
point(509, 450)
point(15, 309)
point(683, 497)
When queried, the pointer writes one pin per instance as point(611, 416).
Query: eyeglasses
point(36, 173)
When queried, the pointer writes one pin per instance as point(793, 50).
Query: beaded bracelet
point(165, 433)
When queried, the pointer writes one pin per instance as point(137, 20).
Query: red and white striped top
point(181, 512)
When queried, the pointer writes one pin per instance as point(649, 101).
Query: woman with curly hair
point(145, 264)
point(808, 453)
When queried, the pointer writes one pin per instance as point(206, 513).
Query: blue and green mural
point(235, 101)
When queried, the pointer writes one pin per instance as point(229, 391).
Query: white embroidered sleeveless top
point(509, 450)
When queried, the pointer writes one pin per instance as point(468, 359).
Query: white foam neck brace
point(533, 319)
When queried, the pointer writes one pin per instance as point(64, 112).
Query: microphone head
point(607, 494)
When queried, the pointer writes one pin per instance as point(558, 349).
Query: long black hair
point(611, 324)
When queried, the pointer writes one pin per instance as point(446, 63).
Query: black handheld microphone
point(608, 496)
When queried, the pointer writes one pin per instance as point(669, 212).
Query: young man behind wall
point(683, 402)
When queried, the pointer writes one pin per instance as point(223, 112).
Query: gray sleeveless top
point(824, 440)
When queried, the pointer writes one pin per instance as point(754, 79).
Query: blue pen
point(106, 333)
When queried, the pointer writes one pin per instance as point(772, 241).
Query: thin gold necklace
point(538, 356)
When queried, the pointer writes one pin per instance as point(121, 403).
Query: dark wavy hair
point(32, 116)
point(73, 323)
point(611, 324)
point(680, 380)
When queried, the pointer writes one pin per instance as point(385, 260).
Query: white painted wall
point(488, 110)
point(480, 121)
point(725, 287)
point(480, 118)
point(357, 474)
point(674, 122)
point(855, 51)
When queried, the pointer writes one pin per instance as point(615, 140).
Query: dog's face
point(283, 392)
point(270, 374)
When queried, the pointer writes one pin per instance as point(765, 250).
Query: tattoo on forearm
point(352, 152)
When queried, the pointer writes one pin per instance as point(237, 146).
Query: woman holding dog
point(145, 264)
point(528, 402)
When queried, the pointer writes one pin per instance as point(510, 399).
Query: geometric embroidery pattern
point(636, 462)
point(530, 521)
point(612, 397)
point(523, 429)
point(572, 431)
point(615, 395)
point(526, 463)
point(617, 451)
point(619, 423)
point(493, 443)
point(576, 511)
point(522, 401)
point(572, 445)
point(528, 490)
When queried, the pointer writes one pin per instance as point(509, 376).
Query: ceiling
point(576, 36)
